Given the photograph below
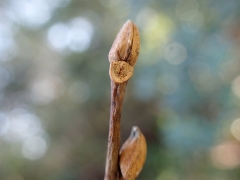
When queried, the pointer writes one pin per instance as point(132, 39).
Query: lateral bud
point(133, 154)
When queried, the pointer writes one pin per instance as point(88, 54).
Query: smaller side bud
point(133, 154)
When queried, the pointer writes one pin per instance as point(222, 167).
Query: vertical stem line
point(114, 140)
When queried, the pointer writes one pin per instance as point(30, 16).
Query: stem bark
point(112, 171)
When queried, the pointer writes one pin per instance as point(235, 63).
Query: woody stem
point(112, 163)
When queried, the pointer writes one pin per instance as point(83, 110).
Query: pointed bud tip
point(126, 45)
point(133, 154)
point(129, 22)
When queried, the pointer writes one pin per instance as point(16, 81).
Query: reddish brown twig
point(122, 57)
point(117, 96)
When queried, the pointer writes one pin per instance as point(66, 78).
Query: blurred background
point(55, 88)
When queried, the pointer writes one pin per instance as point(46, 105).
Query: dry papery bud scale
point(124, 53)
point(133, 154)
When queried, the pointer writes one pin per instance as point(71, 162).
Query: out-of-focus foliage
point(55, 88)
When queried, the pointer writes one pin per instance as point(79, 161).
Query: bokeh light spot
point(226, 155)
point(235, 129)
point(81, 32)
point(186, 10)
point(236, 86)
point(58, 36)
point(34, 148)
point(8, 47)
point(156, 29)
point(45, 89)
point(145, 15)
point(175, 53)
point(193, 25)
point(229, 70)
point(32, 14)
point(22, 125)
point(76, 35)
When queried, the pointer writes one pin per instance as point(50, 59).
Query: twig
point(117, 96)
point(122, 56)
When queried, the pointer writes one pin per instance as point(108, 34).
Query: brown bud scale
point(125, 49)
point(133, 154)
point(120, 71)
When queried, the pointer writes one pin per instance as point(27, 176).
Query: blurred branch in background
point(54, 97)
